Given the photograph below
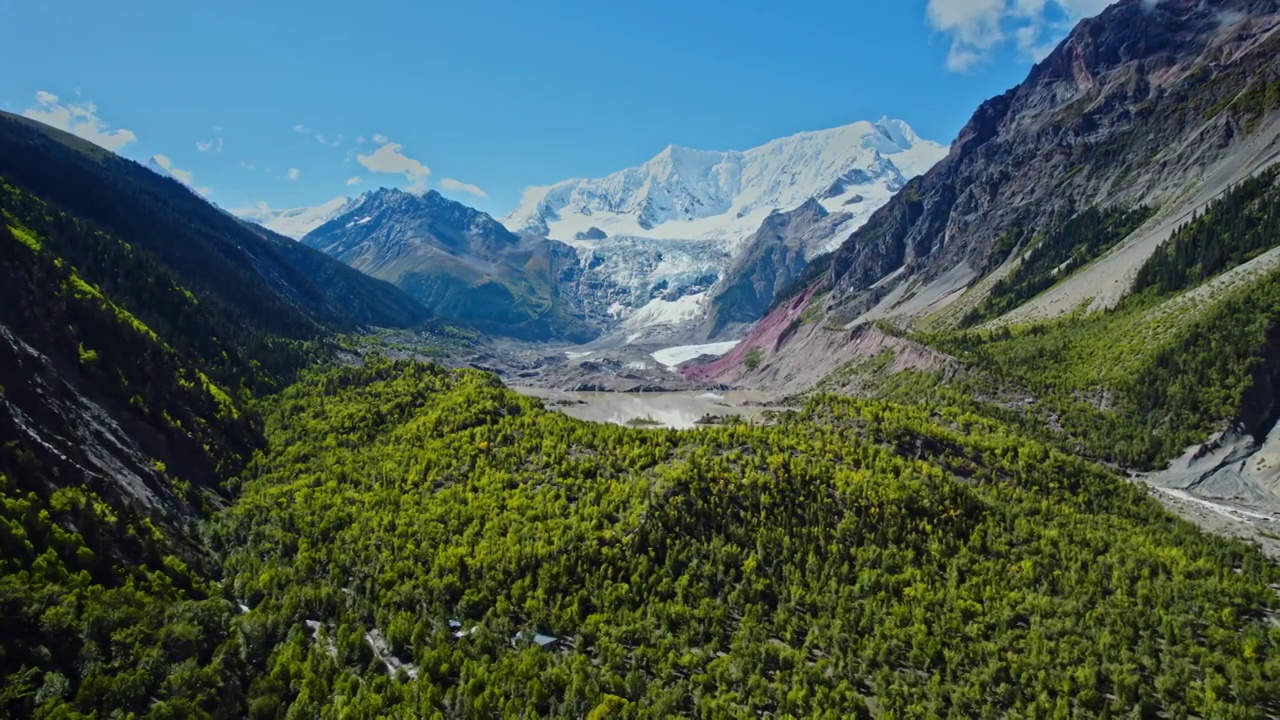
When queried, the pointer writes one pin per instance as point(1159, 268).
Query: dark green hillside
point(1239, 226)
point(136, 323)
point(269, 281)
point(117, 431)
point(1070, 246)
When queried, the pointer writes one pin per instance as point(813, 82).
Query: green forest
point(859, 554)
point(1073, 244)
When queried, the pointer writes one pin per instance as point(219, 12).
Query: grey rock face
point(775, 256)
point(1128, 109)
point(386, 226)
point(591, 233)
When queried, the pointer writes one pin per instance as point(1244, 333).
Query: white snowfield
point(696, 208)
point(296, 222)
point(673, 356)
point(699, 194)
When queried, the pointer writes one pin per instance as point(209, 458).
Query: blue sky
point(267, 101)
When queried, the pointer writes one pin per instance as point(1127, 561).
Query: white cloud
point(258, 211)
point(80, 119)
point(354, 180)
point(977, 27)
point(380, 139)
point(182, 175)
point(390, 158)
point(186, 177)
point(319, 136)
point(294, 173)
point(214, 145)
point(451, 184)
point(248, 165)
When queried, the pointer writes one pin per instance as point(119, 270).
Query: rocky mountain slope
point(462, 264)
point(669, 230)
point(1148, 103)
point(774, 258)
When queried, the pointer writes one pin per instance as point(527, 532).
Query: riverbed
point(678, 410)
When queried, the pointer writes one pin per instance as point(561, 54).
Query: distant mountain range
point(670, 229)
point(294, 222)
point(647, 253)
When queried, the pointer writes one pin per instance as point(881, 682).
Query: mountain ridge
point(674, 226)
point(461, 263)
point(1122, 111)
point(684, 184)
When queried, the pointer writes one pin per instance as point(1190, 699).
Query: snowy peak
point(683, 193)
point(295, 222)
point(668, 230)
point(898, 132)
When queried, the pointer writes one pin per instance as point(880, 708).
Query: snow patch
point(673, 356)
point(659, 313)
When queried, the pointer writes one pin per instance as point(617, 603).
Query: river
point(679, 410)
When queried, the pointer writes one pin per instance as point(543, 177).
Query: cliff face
point(1130, 108)
point(775, 256)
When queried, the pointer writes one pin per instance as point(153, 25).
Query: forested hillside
point(398, 539)
point(115, 439)
point(137, 323)
point(857, 555)
point(270, 282)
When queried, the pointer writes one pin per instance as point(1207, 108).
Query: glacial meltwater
point(679, 410)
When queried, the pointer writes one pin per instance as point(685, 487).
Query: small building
point(546, 642)
point(458, 632)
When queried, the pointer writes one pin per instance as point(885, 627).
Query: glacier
point(669, 228)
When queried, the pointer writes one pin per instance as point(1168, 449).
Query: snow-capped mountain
point(694, 210)
point(697, 194)
point(295, 222)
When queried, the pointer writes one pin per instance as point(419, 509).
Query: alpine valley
point(847, 425)
point(692, 245)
